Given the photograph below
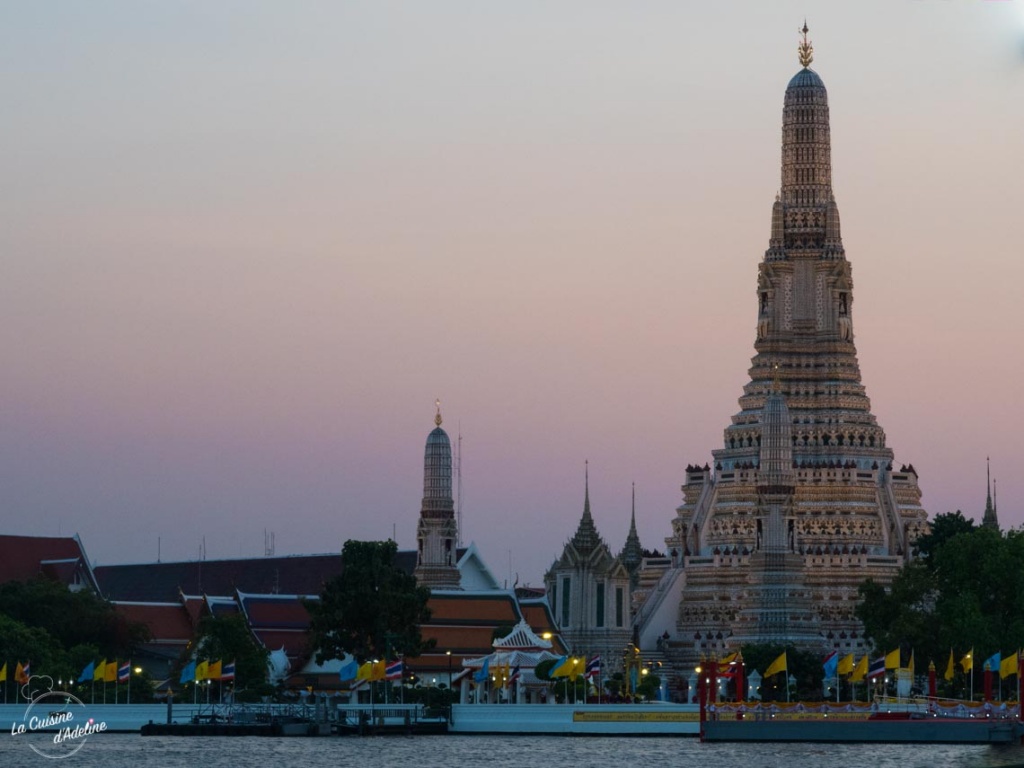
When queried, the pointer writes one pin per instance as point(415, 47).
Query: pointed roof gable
point(61, 558)
point(521, 638)
point(474, 575)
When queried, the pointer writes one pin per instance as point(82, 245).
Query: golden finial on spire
point(437, 418)
point(806, 50)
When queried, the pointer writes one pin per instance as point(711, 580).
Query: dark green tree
point(71, 618)
point(372, 609)
point(21, 643)
point(228, 638)
point(964, 596)
point(543, 670)
point(943, 528)
point(648, 687)
point(903, 616)
point(803, 666)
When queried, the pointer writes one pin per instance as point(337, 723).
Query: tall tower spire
point(586, 539)
point(990, 519)
point(803, 495)
point(437, 532)
point(806, 142)
point(632, 554)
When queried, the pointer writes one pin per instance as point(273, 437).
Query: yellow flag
point(892, 659)
point(202, 670)
point(365, 671)
point(379, 670)
point(949, 667)
point(213, 672)
point(967, 662)
point(1008, 666)
point(779, 665)
point(845, 665)
point(578, 665)
point(3, 673)
point(563, 669)
point(860, 671)
point(910, 666)
point(19, 674)
point(100, 672)
point(110, 672)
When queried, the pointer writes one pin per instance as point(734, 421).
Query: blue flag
point(485, 671)
point(188, 674)
point(349, 671)
point(831, 665)
point(993, 661)
point(88, 672)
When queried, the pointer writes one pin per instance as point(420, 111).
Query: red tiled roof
point(267, 611)
point(461, 640)
point(167, 622)
point(22, 557)
point(475, 609)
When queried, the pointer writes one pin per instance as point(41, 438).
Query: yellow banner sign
point(635, 717)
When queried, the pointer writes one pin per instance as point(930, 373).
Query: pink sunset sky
point(245, 245)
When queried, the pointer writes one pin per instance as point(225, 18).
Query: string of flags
point(198, 671)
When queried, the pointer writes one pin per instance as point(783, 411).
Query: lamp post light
point(448, 653)
point(701, 689)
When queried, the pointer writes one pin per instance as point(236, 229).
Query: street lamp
point(448, 653)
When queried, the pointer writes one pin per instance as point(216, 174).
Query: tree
point(943, 528)
point(964, 596)
point(228, 638)
point(543, 669)
point(71, 618)
point(648, 687)
point(21, 643)
point(372, 609)
point(805, 667)
point(904, 615)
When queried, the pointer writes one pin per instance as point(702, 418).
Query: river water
point(128, 751)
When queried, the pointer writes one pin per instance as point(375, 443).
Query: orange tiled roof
point(476, 609)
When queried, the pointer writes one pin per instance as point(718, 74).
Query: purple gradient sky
point(245, 245)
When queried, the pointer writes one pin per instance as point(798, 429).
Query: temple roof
point(293, 575)
point(60, 558)
point(522, 638)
